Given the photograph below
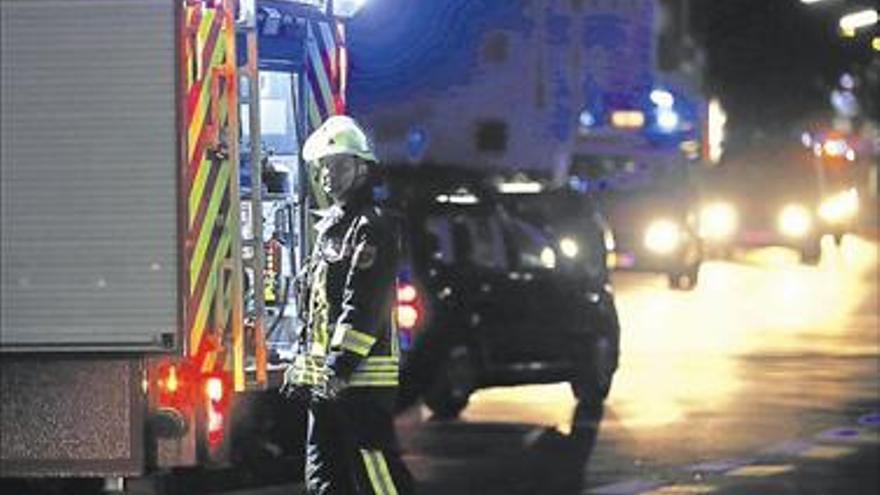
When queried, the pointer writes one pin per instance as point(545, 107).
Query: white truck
point(591, 93)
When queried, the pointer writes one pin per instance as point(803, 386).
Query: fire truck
point(153, 213)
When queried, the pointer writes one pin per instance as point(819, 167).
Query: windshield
point(276, 113)
point(626, 173)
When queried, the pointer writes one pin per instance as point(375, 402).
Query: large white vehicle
point(151, 220)
point(587, 92)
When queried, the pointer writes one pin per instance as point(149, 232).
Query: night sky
point(773, 62)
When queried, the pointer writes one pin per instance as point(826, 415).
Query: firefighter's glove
point(292, 388)
point(329, 389)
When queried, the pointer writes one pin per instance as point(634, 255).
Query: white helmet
point(338, 135)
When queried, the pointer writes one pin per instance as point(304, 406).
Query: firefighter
point(349, 356)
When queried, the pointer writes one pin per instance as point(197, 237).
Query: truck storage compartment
point(89, 190)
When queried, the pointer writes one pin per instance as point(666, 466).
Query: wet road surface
point(764, 379)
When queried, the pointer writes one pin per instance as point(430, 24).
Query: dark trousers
point(352, 447)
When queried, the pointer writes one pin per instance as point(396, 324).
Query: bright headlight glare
point(794, 221)
point(608, 240)
point(548, 258)
point(662, 236)
point(569, 247)
point(841, 206)
point(718, 221)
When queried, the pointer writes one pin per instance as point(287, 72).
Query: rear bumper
point(71, 416)
point(635, 257)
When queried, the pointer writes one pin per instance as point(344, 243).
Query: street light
point(857, 20)
point(347, 8)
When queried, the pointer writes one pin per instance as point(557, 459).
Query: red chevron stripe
point(211, 41)
point(198, 154)
point(192, 99)
point(195, 20)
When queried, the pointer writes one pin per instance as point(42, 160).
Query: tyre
point(684, 280)
point(597, 356)
point(811, 253)
point(451, 389)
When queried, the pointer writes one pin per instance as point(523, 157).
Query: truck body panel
point(89, 167)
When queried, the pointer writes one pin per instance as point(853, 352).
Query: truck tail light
point(216, 392)
point(175, 385)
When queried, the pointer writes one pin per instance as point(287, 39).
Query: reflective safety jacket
point(351, 296)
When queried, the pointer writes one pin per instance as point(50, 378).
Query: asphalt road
point(765, 379)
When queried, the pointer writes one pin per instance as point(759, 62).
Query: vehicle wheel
point(593, 381)
point(811, 253)
point(684, 280)
point(452, 387)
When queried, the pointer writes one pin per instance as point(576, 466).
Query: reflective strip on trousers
point(377, 371)
point(347, 338)
point(378, 473)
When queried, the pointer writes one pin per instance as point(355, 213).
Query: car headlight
point(662, 236)
point(569, 247)
point(840, 207)
point(718, 221)
point(548, 258)
point(794, 220)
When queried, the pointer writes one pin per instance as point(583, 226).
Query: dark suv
point(484, 299)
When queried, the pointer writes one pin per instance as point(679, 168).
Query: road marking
point(827, 452)
point(682, 489)
point(629, 487)
point(872, 419)
point(850, 435)
point(791, 447)
point(762, 470)
point(718, 466)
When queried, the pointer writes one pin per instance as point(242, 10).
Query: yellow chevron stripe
point(201, 110)
point(208, 225)
point(205, 24)
point(211, 357)
point(201, 315)
point(198, 185)
point(197, 189)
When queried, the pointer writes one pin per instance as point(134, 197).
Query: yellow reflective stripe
point(358, 380)
point(377, 471)
point(372, 472)
point(385, 474)
point(382, 360)
point(350, 339)
point(379, 367)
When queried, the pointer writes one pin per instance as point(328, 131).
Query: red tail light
point(180, 387)
point(216, 390)
point(407, 309)
point(176, 385)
